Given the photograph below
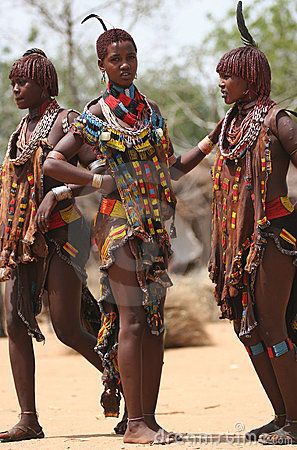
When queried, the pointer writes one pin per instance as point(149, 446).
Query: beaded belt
point(63, 217)
point(112, 207)
point(279, 207)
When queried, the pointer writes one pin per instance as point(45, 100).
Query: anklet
point(135, 419)
point(29, 413)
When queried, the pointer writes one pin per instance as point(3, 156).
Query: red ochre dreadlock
point(38, 68)
point(109, 37)
point(250, 64)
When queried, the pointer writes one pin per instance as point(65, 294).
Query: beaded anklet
point(135, 419)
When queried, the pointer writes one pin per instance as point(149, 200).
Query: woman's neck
point(245, 107)
point(38, 111)
point(128, 91)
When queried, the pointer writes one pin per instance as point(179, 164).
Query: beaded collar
point(248, 131)
point(127, 105)
point(41, 131)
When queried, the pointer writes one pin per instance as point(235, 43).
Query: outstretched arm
point(186, 162)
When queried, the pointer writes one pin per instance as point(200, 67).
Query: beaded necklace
point(128, 108)
point(243, 138)
point(41, 131)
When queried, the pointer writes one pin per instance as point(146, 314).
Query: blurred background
point(179, 43)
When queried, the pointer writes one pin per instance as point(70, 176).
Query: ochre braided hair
point(35, 66)
point(109, 37)
point(250, 64)
point(247, 62)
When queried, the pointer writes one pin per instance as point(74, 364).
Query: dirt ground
point(210, 393)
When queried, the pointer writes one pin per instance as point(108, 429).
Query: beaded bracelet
point(97, 180)
point(53, 154)
point(206, 145)
point(62, 193)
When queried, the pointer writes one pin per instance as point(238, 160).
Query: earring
point(245, 92)
point(135, 78)
point(103, 78)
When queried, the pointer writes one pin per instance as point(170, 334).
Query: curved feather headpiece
point(90, 16)
point(31, 51)
point(246, 37)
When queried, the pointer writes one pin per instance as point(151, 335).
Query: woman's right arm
point(61, 169)
point(65, 172)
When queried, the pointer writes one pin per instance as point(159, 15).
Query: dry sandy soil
point(209, 389)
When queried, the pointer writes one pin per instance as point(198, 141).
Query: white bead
point(159, 132)
point(105, 136)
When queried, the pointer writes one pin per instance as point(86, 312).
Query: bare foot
point(151, 422)
point(139, 433)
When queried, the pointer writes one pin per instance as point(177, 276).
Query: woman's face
point(27, 93)
point(120, 63)
point(233, 88)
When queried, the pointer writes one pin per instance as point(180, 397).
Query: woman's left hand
point(44, 211)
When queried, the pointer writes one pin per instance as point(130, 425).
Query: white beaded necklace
point(41, 131)
point(249, 136)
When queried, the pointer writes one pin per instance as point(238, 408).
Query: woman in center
point(129, 135)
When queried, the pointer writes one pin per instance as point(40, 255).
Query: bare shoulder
point(68, 115)
point(95, 109)
point(278, 119)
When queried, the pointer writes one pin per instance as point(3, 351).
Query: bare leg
point(265, 372)
point(263, 367)
point(128, 296)
point(152, 363)
point(64, 290)
point(2, 332)
point(273, 288)
point(21, 358)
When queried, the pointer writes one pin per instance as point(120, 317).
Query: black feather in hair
point(90, 16)
point(246, 37)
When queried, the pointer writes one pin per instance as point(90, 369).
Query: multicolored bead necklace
point(243, 138)
point(126, 104)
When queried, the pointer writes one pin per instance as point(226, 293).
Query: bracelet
point(206, 145)
point(53, 154)
point(62, 193)
point(97, 180)
point(96, 164)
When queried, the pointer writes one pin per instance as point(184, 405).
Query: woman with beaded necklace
point(254, 253)
point(128, 133)
point(44, 240)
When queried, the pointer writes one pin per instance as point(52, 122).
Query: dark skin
point(276, 272)
point(140, 354)
point(63, 285)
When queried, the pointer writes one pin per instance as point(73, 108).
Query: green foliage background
point(186, 94)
